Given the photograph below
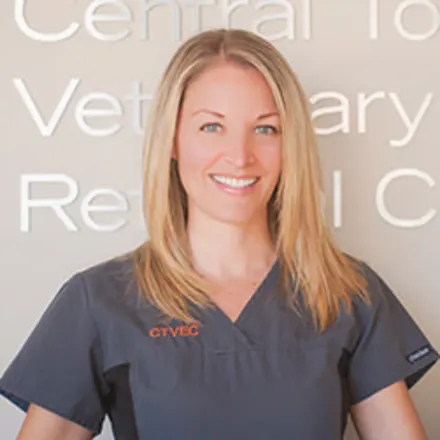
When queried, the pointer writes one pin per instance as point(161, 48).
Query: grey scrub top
point(99, 350)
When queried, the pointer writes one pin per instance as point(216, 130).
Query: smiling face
point(228, 144)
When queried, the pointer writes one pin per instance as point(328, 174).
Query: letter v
point(174, 331)
point(46, 130)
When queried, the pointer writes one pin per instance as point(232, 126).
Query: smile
point(235, 183)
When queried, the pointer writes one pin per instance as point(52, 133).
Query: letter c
point(193, 330)
point(38, 36)
point(154, 332)
point(381, 188)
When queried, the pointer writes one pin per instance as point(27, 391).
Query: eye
point(209, 127)
point(272, 129)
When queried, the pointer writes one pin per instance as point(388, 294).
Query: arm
point(387, 415)
point(41, 424)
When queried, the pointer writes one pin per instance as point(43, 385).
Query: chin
point(227, 213)
point(234, 218)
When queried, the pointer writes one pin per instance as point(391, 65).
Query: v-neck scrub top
point(99, 349)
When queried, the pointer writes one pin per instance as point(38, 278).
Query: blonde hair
point(325, 276)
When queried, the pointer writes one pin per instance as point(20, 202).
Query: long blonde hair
point(325, 276)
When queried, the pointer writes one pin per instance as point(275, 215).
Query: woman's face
point(228, 144)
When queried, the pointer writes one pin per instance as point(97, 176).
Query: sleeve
point(391, 346)
point(58, 366)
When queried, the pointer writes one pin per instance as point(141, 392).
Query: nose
point(241, 152)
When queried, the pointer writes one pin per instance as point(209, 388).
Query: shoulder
point(382, 296)
point(380, 310)
point(108, 284)
point(112, 275)
point(379, 291)
point(384, 320)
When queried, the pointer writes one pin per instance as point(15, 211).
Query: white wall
point(54, 60)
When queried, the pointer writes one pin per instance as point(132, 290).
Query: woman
point(245, 321)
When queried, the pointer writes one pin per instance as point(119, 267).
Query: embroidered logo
point(180, 330)
point(419, 354)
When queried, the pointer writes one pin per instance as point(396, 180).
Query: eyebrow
point(220, 115)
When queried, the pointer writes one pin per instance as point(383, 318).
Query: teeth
point(235, 183)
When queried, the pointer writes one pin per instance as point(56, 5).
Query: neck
point(227, 251)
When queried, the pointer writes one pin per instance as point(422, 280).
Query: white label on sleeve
point(419, 354)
